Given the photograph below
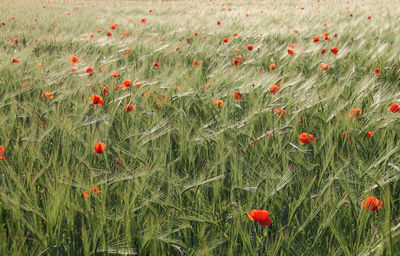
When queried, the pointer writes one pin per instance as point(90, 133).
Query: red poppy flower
point(127, 83)
point(86, 194)
point(3, 23)
point(218, 102)
point(155, 64)
point(196, 63)
point(324, 67)
point(238, 61)
point(2, 151)
point(249, 47)
point(355, 112)
point(104, 90)
point(377, 73)
point(296, 31)
point(395, 108)
point(234, 34)
point(272, 66)
point(89, 71)
point(109, 34)
point(116, 74)
point(274, 89)
point(335, 50)
point(74, 60)
point(290, 51)
point(237, 95)
point(371, 204)
point(45, 95)
point(316, 39)
point(225, 40)
point(129, 107)
point(95, 190)
point(323, 51)
point(99, 31)
point(99, 148)
point(260, 216)
point(143, 21)
point(218, 23)
point(15, 60)
point(113, 26)
point(369, 134)
point(97, 100)
point(369, 17)
point(306, 138)
point(280, 113)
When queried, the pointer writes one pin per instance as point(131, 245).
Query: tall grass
point(189, 170)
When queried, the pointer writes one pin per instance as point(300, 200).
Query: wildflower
point(272, 66)
point(225, 40)
point(238, 61)
point(95, 190)
point(280, 113)
point(395, 108)
point(218, 102)
point(323, 51)
point(126, 83)
point(89, 71)
point(45, 95)
point(274, 89)
point(234, 34)
point(377, 73)
point(109, 34)
point(86, 194)
point(306, 138)
point(143, 21)
point(99, 148)
point(369, 134)
point(116, 74)
point(355, 112)
point(237, 95)
point(2, 151)
point(155, 64)
point(15, 60)
point(74, 60)
point(97, 100)
point(113, 26)
point(249, 47)
point(291, 52)
point(260, 216)
point(196, 63)
point(218, 23)
point(324, 67)
point(316, 39)
point(104, 90)
point(118, 162)
point(371, 204)
point(335, 50)
point(129, 107)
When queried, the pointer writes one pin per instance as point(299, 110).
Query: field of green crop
point(161, 127)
